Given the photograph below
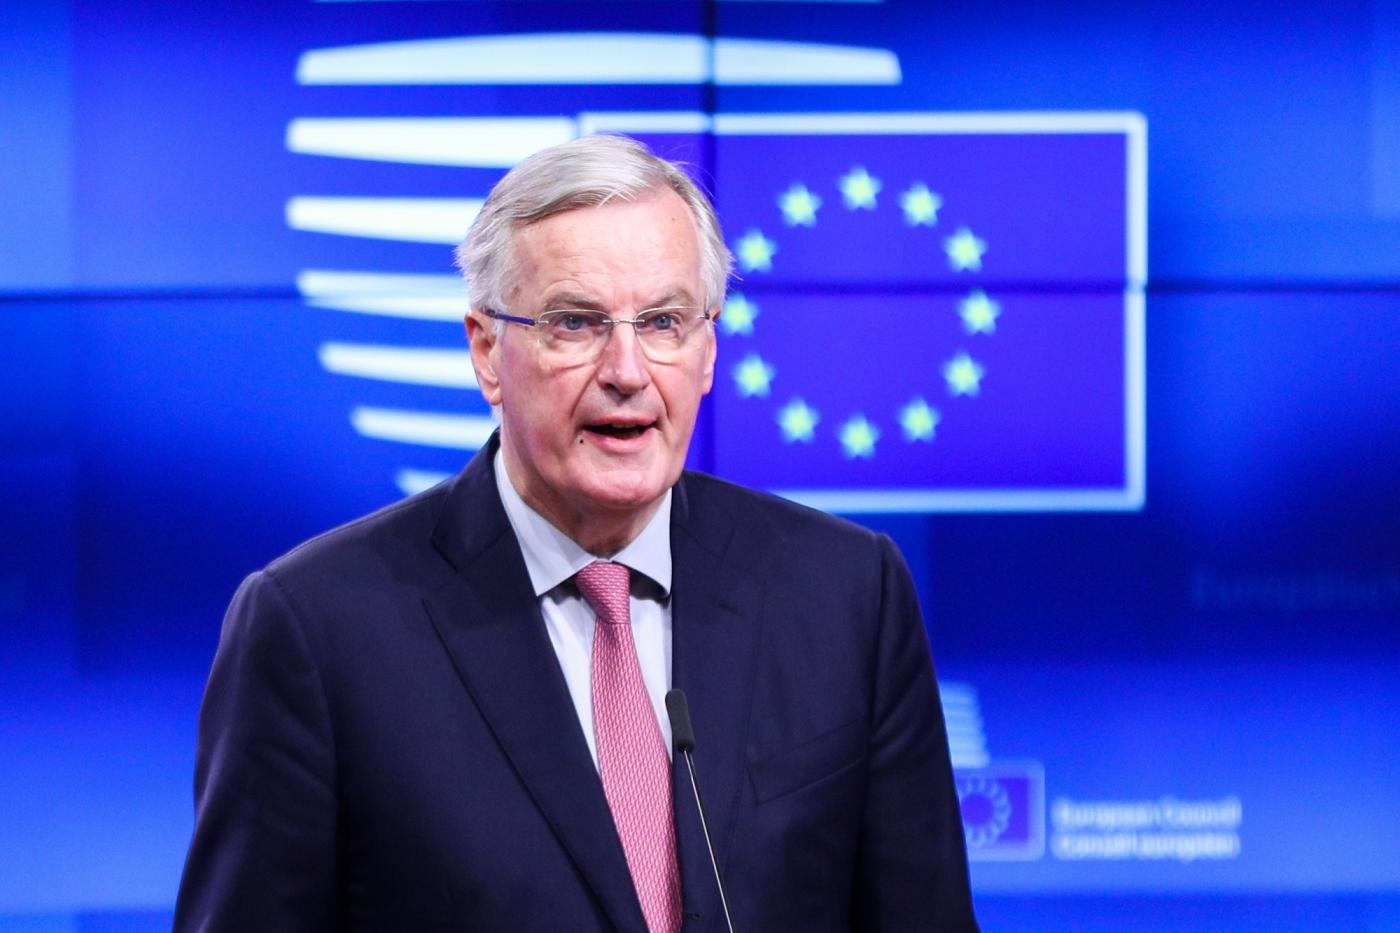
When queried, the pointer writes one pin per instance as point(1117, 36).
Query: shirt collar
point(552, 557)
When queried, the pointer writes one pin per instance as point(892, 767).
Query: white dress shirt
point(552, 558)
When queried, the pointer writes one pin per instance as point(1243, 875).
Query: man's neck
point(601, 535)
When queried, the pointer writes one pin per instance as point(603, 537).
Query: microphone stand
point(683, 736)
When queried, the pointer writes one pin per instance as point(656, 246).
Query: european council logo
point(935, 311)
point(1002, 802)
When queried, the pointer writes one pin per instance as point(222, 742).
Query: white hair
point(584, 172)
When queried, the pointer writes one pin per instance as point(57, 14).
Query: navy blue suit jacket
point(387, 743)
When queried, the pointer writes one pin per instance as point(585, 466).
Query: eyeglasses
point(577, 335)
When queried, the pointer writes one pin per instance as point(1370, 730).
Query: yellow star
point(858, 437)
point(920, 206)
point(919, 420)
point(753, 375)
point(738, 315)
point(755, 252)
point(798, 421)
point(965, 250)
point(964, 375)
point(979, 313)
point(799, 206)
point(859, 188)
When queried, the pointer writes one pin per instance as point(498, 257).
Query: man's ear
point(711, 350)
point(484, 343)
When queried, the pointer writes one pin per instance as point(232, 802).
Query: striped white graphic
point(420, 297)
point(415, 365)
point(411, 482)
point(967, 739)
point(416, 220)
point(482, 142)
point(426, 428)
point(597, 58)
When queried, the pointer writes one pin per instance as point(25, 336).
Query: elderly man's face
point(599, 441)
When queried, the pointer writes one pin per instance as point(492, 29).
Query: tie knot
point(607, 587)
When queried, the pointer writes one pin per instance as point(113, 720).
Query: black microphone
point(683, 737)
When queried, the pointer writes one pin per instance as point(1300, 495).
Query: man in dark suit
point(448, 715)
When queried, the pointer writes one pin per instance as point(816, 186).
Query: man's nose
point(624, 366)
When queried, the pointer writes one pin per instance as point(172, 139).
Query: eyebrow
point(581, 301)
point(572, 301)
point(676, 298)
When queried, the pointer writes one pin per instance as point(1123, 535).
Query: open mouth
point(618, 430)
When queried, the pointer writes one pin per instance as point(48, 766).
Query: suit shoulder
point(753, 510)
point(388, 534)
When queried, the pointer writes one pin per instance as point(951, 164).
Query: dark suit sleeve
point(263, 855)
point(912, 863)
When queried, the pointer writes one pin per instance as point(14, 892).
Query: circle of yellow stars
point(754, 376)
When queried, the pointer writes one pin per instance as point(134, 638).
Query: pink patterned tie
point(631, 754)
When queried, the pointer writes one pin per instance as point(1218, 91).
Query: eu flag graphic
point(934, 312)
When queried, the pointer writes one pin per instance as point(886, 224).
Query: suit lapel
point(489, 621)
point(716, 605)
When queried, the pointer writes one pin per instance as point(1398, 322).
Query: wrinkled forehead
point(645, 250)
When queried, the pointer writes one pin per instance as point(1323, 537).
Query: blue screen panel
point(1174, 712)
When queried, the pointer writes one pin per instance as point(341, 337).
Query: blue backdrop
point(1094, 308)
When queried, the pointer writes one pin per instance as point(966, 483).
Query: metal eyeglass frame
point(611, 322)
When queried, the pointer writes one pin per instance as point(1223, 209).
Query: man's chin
point(623, 501)
point(622, 490)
